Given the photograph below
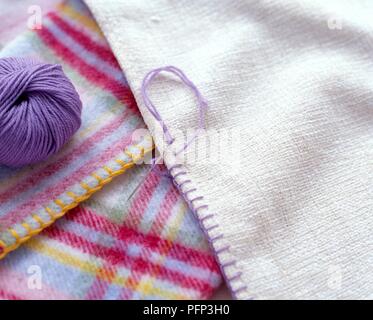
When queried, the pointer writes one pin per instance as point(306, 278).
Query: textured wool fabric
point(292, 216)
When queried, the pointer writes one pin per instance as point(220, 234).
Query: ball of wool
point(39, 111)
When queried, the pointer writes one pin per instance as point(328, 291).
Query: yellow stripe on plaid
point(88, 22)
point(40, 246)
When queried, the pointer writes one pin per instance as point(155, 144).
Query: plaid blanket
point(33, 197)
point(148, 247)
point(113, 246)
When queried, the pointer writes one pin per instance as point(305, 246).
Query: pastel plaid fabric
point(45, 191)
point(135, 239)
point(112, 247)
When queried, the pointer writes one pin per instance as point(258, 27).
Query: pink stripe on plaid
point(118, 256)
point(127, 234)
point(60, 163)
point(52, 193)
point(100, 50)
point(141, 200)
point(120, 91)
point(164, 211)
point(8, 296)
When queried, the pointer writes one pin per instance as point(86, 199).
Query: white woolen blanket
point(293, 199)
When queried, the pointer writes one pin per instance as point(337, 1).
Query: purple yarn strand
point(39, 111)
point(202, 103)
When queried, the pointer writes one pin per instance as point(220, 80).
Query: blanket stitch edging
point(5, 248)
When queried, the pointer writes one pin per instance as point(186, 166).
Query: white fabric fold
point(291, 197)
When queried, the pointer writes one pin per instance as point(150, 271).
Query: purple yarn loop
point(39, 111)
point(202, 103)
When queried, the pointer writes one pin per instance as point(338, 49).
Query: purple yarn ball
point(39, 111)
